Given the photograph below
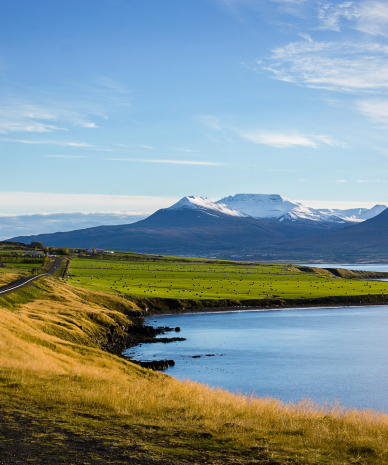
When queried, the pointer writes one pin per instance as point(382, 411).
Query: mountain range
point(277, 207)
point(246, 225)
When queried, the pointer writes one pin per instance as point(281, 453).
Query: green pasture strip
point(212, 280)
point(21, 268)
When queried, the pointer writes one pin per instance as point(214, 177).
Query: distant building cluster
point(98, 251)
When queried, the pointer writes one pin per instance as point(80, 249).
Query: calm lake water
point(367, 267)
point(323, 354)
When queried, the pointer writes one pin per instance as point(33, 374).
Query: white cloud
point(339, 66)
point(376, 110)
point(370, 17)
point(211, 121)
point(284, 140)
point(56, 142)
point(148, 147)
point(24, 225)
point(36, 202)
point(64, 156)
point(330, 14)
point(17, 115)
point(184, 150)
point(173, 162)
point(278, 140)
point(377, 180)
point(329, 141)
point(341, 180)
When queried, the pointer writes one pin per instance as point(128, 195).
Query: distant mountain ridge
point(199, 227)
point(194, 202)
point(277, 207)
point(189, 227)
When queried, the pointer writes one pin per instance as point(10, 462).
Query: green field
point(20, 267)
point(206, 279)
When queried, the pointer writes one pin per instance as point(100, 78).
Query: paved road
point(29, 279)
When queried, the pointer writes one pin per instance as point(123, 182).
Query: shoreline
point(241, 309)
point(146, 333)
point(158, 306)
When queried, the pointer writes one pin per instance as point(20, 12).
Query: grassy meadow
point(207, 279)
point(16, 269)
point(84, 405)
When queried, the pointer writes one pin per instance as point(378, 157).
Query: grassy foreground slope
point(65, 400)
point(162, 277)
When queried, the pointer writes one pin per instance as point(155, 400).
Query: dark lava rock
point(165, 340)
point(156, 364)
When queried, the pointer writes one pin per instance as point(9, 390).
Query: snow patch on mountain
point(277, 207)
point(260, 205)
point(194, 202)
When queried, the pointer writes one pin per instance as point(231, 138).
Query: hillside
point(182, 231)
point(364, 240)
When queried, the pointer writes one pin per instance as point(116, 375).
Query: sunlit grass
point(51, 362)
point(196, 280)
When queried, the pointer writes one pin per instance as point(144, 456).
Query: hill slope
point(369, 238)
point(181, 231)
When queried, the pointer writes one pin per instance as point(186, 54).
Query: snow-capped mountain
point(277, 207)
point(356, 214)
point(194, 202)
point(271, 206)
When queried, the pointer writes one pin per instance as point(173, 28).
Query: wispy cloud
point(49, 142)
point(340, 66)
point(330, 15)
point(17, 115)
point(377, 180)
point(184, 150)
point(147, 147)
point(173, 162)
point(375, 110)
point(64, 156)
point(210, 121)
point(286, 140)
point(42, 202)
point(58, 143)
point(25, 225)
point(370, 17)
point(53, 110)
point(287, 171)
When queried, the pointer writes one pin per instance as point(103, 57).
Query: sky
point(127, 105)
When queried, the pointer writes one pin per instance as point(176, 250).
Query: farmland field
point(19, 264)
point(196, 279)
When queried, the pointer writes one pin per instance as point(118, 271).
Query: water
point(323, 354)
point(356, 266)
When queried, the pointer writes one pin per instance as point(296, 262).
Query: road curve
point(29, 279)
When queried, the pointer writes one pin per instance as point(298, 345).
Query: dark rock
point(155, 364)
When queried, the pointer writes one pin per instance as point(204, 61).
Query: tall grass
point(47, 358)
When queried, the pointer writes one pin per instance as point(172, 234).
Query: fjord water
point(356, 266)
point(325, 354)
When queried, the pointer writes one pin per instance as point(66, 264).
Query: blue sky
point(127, 105)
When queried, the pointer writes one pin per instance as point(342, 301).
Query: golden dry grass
point(61, 368)
point(7, 278)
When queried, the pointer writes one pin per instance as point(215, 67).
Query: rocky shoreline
point(136, 332)
point(119, 339)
